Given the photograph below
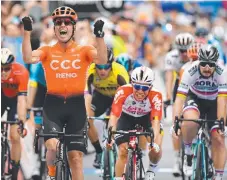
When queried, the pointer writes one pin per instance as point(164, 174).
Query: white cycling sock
point(152, 167)
point(188, 148)
point(218, 174)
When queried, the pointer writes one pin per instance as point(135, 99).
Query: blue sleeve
point(37, 73)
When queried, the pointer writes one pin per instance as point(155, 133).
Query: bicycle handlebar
point(220, 123)
point(10, 122)
point(149, 133)
point(99, 118)
point(61, 134)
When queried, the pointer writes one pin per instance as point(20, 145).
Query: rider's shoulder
point(173, 54)
point(220, 69)
point(193, 68)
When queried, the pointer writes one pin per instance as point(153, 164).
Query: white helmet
point(142, 75)
point(7, 56)
point(184, 41)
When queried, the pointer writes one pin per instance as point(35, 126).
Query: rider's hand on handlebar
point(155, 147)
point(173, 133)
point(109, 145)
point(21, 130)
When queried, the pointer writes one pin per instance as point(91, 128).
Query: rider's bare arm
point(169, 84)
point(29, 56)
point(221, 107)
point(22, 107)
point(156, 128)
point(101, 53)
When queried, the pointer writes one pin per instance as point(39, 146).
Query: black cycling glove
point(27, 21)
point(98, 29)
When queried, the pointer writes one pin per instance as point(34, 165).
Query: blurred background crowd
point(143, 29)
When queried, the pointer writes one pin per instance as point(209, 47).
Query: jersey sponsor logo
point(66, 75)
point(183, 85)
point(65, 64)
point(135, 110)
point(192, 70)
point(118, 95)
point(219, 70)
point(17, 72)
point(107, 88)
point(9, 86)
point(157, 102)
point(206, 83)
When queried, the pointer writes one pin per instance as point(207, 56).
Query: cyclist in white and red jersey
point(203, 93)
point(65, 65)
point(174, 60)
point(137, 103)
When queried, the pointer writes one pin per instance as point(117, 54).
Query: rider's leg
point(76, 164)
point(51, 145)
point(218, 152)
point(121, 160)
point(93, 135)
point(189, 129)
point(15, 150)
point(155, 154)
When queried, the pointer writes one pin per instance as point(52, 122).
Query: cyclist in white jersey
point(203, 92)
point(174, 60)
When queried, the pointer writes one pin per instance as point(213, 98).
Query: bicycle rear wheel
point(130, 173)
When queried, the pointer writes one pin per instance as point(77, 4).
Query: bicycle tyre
point(198, 172)
point(106, 165)
point(129, 174)
point(182, 161)
point(2, 159)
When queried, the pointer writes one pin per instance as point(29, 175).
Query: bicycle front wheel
point(198, 164)
point(106, 165)
point(130, 173)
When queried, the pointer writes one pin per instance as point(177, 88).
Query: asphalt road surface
point(164, 171)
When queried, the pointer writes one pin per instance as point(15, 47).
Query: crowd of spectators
point(144, 29)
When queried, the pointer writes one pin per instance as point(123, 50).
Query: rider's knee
point(76, 158)
point(217, 139)
point(51, 144)
point(14, 138)
point(123, 152)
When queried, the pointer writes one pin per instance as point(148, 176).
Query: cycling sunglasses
point(141, 87)
point(103, 66)
point(66, 21)
point(5, 69)
point(203, 64)
point(182, 50)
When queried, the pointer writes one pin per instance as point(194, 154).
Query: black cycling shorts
point(100, 103)
point(10, 103)
point(40, 95)
point(57, 111)
point(127, 122)
point(206, 108)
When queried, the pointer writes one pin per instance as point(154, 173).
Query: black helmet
point(208, 53)
point(110, 56)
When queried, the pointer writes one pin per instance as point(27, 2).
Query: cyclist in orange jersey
point(65, 65)
point(14, 80)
